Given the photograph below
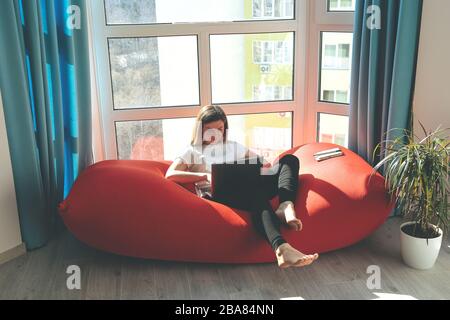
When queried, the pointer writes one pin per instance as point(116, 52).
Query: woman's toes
point(306, 260)
point(290, 257)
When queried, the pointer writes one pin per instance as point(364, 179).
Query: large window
point(157, 62)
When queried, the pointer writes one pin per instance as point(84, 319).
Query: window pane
point(241, 62)
point(267, 134)
point(173, 11)
point(335, 73)
point(154, 71)
point(341, 5)
point(333, 129)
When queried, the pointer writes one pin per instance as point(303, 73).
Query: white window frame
point(311, 18)
point(322, 20)
point(105, 145)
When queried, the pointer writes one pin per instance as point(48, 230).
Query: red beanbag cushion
point(127, 207)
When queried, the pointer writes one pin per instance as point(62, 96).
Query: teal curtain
point(45, 84)
point(383, 71)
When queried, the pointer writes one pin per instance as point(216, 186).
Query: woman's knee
point(291, 160)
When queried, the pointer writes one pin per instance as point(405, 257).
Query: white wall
point(10, 236)
point(432, 97)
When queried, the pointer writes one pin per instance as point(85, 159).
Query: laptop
point(233, 182)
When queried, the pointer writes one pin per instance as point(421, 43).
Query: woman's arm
point(178, 173)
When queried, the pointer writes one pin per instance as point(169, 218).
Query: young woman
point(210, 145)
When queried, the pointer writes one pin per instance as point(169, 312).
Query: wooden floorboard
point(172, 281)
point(41, 274)
point(238, 282)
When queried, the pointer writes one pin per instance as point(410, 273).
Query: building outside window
point(341, 5)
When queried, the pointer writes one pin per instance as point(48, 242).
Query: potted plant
point(416, 172)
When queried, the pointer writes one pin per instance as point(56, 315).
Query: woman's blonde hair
point(206, 115)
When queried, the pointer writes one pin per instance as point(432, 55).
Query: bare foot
point(288, 256)
point(286, 213)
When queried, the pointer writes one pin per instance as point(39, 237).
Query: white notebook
point(328, 154)
point(321, 153)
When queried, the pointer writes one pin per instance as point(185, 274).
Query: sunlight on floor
point(381, 296)
point(391, 296)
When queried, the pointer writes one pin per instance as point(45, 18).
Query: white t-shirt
point(200, 158)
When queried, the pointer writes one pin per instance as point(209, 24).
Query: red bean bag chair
point(127, 207)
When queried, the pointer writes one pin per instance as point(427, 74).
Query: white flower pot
point(419, 253)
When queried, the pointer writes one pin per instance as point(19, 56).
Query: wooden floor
point(41, 274)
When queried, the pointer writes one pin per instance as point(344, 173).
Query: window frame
point(322, 21)
point(105, 144)
point(311, 17)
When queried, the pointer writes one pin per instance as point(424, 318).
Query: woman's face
point(213, 132)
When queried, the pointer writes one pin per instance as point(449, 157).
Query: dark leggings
point(283, 183)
